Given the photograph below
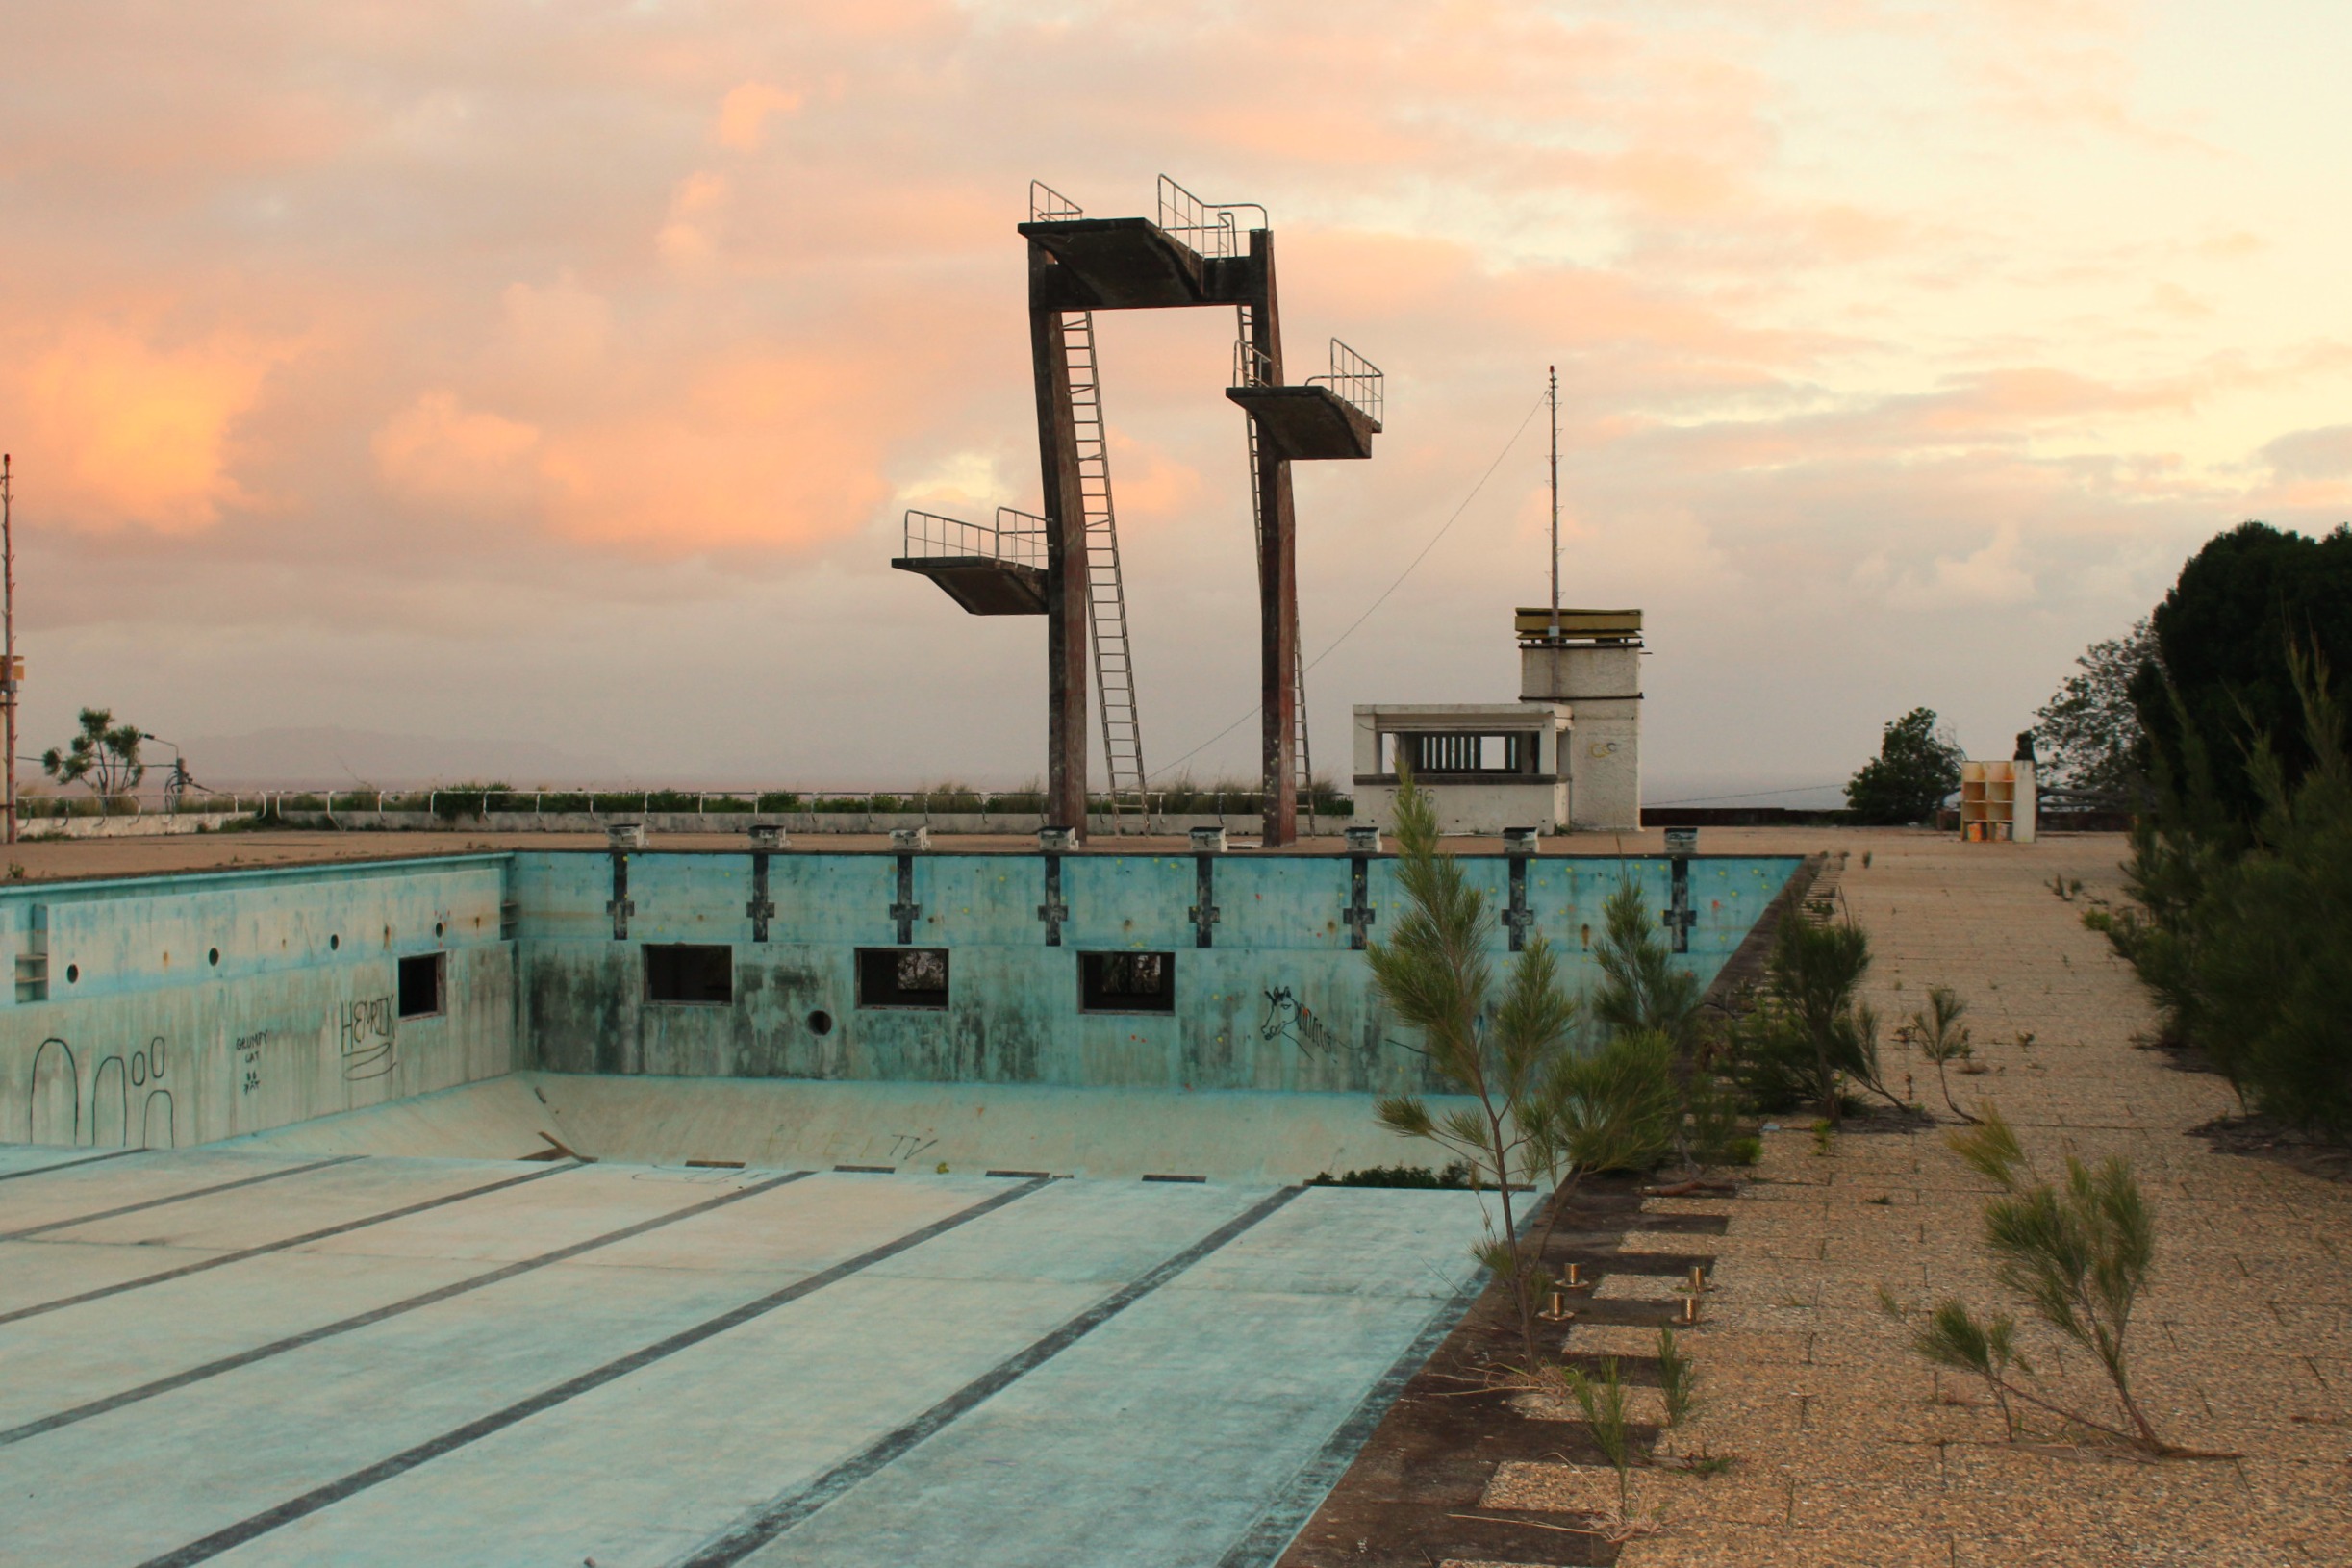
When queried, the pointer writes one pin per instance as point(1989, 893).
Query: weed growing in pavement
point(1937, 1033)
point(1602, 1399)
point(1677, 1379)
point(1825, 1139)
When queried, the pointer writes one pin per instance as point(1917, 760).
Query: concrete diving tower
point(1065, 564)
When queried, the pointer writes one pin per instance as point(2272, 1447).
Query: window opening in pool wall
point(902, 977)
point(1127, 982)
point(688, 973)
point(421, 985)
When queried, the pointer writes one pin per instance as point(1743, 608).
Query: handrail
point(979, 802)
point(1354, 380)
point(1047, 204)
point(1209, 227)
point(1252, 366)
point(930, 535)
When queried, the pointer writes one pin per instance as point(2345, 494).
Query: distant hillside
point(335, 758)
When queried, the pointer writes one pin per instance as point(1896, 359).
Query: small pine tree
point(1434, 974)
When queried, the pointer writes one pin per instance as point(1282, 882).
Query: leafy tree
point(1916, 766)
point(2092, 739)
point(104, 755)
point(1434, 973)
point(2243, 606)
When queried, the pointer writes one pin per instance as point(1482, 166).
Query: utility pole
point(8, 638)
point(1552, 397)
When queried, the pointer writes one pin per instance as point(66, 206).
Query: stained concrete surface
point(622, 1362)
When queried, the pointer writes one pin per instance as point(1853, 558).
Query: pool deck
point(1847, 1448)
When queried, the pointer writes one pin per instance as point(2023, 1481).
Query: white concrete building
point(1567, 755)
point(1489, 765)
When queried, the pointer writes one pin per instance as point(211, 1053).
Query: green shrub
point(2245, 936)
point(1454, 1178)
point(1809, 1033)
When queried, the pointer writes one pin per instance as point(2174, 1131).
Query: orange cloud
point(778, 452)
point(437, 450)
point(137, 435)
point(742, 115)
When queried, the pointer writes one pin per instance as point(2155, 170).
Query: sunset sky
point(559, 372)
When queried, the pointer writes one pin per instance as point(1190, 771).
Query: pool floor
point(260, 1357)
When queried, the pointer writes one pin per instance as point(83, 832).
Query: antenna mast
point(8, 642)
point(1553, 396)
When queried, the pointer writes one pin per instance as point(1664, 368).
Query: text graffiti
point(366, 1038)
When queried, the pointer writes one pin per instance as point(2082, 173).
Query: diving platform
point(1122, 263)
point(1309, 423)
point(989, 571)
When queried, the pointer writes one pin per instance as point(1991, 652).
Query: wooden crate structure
point(1996, 802)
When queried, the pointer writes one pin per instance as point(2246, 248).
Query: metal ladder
point(1106, 599)
point(1251, 374)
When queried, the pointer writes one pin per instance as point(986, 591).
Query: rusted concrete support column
point(1066, 624)
point(1277, 575)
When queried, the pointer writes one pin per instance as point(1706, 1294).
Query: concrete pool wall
point(177, 1010)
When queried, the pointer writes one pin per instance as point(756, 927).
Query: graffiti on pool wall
point(1287, 1017)
point(249, 1060)
point(365, 1031)
point(57, 1112)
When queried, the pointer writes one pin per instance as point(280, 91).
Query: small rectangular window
point(421, 985)
point(903, 976)
point(1127, 982)
point(695, 973)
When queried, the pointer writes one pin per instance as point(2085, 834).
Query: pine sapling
point(2079, 1252)
point(1602, 1399)
point(1953, 1337)
point(1939, 1035)
point(1677, 1379)
point(1434, 974)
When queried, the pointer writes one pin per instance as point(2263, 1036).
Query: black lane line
point(68, 1165)
point(376, 1315)
point(176, 1198)
point(1271, 1534)
point(225, 1259)
point(546, 1399)
point(781, 1513)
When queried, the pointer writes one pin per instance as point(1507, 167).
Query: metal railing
point(1211, 228)
point(1047, 204)
point(1018, 537)
point(1251, 366)
point(459, 804)
point(1354, 379)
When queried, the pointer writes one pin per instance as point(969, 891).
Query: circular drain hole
point(73, 972)
point(821, 1022)
point(213, 957)
point(335, 942)
point(437, 928)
